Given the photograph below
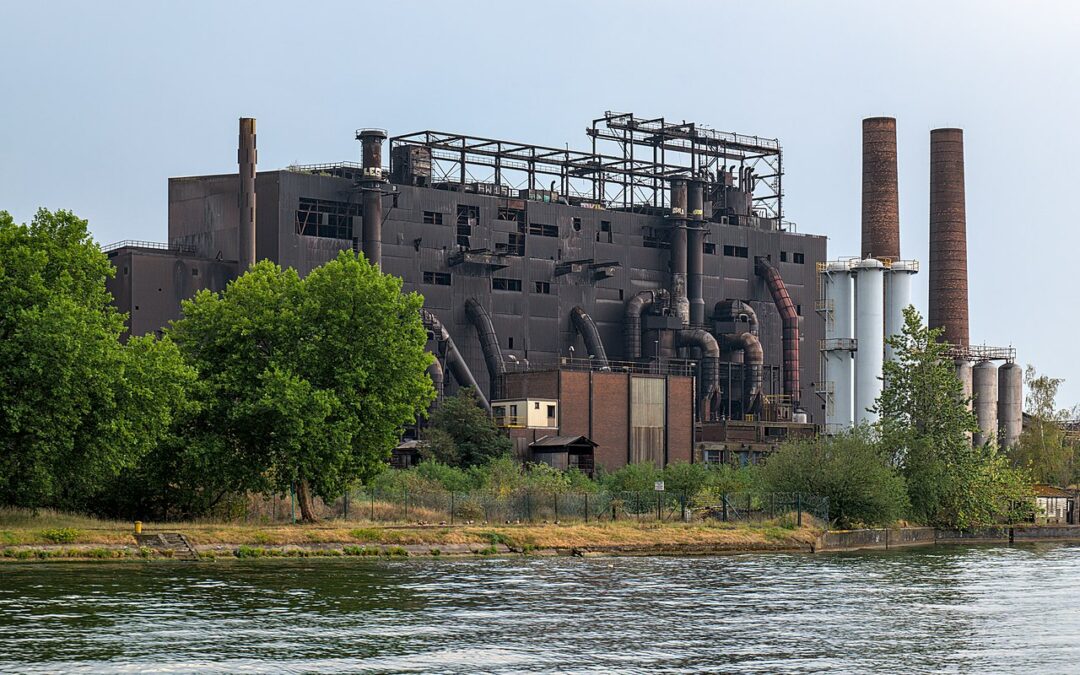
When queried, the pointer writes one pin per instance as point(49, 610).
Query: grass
point(19, 528)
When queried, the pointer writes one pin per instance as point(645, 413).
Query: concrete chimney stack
point(246, 156)
point(371, 184)
point(880, 195)
point(948, 236)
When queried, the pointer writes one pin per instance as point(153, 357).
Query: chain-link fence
point(532, 506)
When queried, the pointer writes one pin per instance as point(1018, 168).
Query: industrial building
point(658, 262)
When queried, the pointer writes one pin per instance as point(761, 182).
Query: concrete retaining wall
point(899, 537)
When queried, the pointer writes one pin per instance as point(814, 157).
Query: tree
point(77, 407)
point(462, 434)
point(924, 425)
point(850, 469)
point(306, 383)
point(1042, 448)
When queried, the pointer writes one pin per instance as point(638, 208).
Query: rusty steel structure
point(880, 192)
point(948, 237)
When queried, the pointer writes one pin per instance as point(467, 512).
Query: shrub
point(850, 469)
point(395, 551)
point(61, 535)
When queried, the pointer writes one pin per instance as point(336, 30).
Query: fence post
point(586, 508)
point(346, 503)
point(723, 505)
point(556, 508)
point(682, 506)
point(405, 493)
point(451, 507)
point(292, 502)
point(798, 507)
point(658, 493)
point(373, 506)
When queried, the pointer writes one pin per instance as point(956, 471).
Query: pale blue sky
point(104, 101)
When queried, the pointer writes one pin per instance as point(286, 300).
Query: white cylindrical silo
point(870, 336)
point(897, 297)
point(1010, 404)
point(963, 373)
point(837, 355)
point(984, 382)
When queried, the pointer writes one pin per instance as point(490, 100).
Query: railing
point(535, 506)
point(156, 245)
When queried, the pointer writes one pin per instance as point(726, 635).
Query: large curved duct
point(635, 306)
point(753, 363)
point(435, 372)
point(458, 368)
point(782, 300)
point(587, 328)
point(710, 367)
point(736, 310)
point(489, 343)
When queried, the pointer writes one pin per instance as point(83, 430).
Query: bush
point(61, 535)
point(850, 469)
point(638, 477)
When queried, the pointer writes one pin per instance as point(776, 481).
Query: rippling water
point(974, 609)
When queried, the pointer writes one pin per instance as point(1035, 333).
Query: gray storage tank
point(984, 382)
point(1010, 403)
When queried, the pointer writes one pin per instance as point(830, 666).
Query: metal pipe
point(632, 322)
point(753, 366)
point(695, 263)
point(489, 343)
point(371, 186)
point(435, 372)
point(710, 367)
point(454, 361)
point(246, 156)
point(680, 302)
point(736, 310)
point(587, 328)
point(790, 318)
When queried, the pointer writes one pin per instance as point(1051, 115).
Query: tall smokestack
point(948, 236)
point(695, 262)
point(880, 200)
point(246, 156)
point(371, 185)
point(680, 304)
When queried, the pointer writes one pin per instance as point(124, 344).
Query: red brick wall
point(680, 419)
point(611, 419)
point(574, 403)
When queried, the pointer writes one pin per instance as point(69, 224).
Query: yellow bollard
point(138, 527)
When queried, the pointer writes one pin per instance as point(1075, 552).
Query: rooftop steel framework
point(650, 152)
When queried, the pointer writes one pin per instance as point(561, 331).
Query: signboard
point(659, 486)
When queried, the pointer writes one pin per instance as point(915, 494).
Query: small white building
point(526, 413)
point(1053, 505)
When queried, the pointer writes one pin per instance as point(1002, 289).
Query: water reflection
point(971, 609)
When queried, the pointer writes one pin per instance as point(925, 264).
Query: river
point(969, 609)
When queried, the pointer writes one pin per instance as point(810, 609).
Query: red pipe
point(782, 300)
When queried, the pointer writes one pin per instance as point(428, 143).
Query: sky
point(104, 101)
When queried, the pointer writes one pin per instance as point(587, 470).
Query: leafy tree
point(77, 407)
point(925, 424)
point(462, 434)
point(850, 469)
point(636, 477)
point(306, 382)
point(686, 479)
point(1043, 449)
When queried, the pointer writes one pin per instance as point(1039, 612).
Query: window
point(432, 218)
point(500, 284)
point(710, 248)
point(551, 412)
point(468, 215)
point(543, 287)
point(783, 256)
point(509, 343)
point(652, 239)
point(541, 230)
point(326, 218)
point(605, 226)
point(511, 214)
point(736, 251)
point(194, 271)
point(536, 405)
point(576, 222)
point(798, 309)
point(799, 258)
point(437, 278)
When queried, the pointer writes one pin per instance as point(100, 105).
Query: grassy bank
point(54, 535)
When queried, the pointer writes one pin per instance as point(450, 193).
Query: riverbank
point(97, 541)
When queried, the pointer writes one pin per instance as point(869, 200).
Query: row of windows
point(736, 251)
point(796, 257)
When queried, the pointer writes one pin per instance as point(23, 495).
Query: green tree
point(924, 424)
point(850, 469)
point(77, 407)
point(1043, 449)
point(306, 382)
point(462, 434)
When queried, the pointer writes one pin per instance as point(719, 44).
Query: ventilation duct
point(790, 318)
point(489, 343)
point(458, 368)
point(587, 328)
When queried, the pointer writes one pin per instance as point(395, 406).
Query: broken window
point(710, 248)
point(437, 278)
point(502, 284)
point(541, 230)
point(326, 218)
point(506, 213)
point(543, 287)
